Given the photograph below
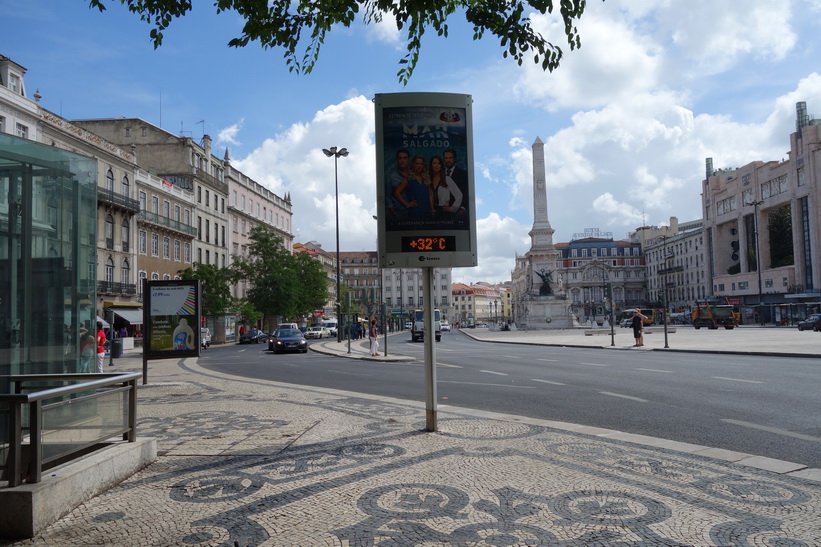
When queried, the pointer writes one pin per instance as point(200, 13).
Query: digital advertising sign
point(171, 311)
point(425, 183)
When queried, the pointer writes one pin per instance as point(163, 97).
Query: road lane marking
point(623, 396)
point(593, 364)
point(511, 357)
point(775, 430)
point(655, 370)
point(448, 365)
point(549, 360)
point(349, 373)
point(547, 382)
point(494, 372)
point(736, 380)
point(483, 384)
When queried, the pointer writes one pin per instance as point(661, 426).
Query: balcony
point(110, 197)
point(165, 222)
point(109, 287)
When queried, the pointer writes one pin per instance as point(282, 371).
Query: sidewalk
point(252, 462)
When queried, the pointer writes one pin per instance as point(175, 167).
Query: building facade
point(676, 268)
point(402, 292)
point(590, 262)
point(762, 227)
point(250, 204)
point(186, 164)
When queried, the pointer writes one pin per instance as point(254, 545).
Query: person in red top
point(100, 346)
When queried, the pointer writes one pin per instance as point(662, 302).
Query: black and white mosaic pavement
point(258, 464)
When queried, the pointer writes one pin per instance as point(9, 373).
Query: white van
point(329, 324)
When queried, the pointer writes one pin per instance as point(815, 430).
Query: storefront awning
point(134, 316)
point(103, 321)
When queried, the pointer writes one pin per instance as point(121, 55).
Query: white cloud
point(229, 134)
point(498, 239)
point(292, 162)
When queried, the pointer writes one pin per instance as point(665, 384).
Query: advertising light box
point(425, 184)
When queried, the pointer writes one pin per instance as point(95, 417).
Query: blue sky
point(628, 120)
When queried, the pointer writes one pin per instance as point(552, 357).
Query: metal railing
point(56, 412)
point(113, 198)
point(111, 287)
point(159, 220)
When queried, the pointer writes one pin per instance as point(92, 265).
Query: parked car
point(252, 336)
point(317, 332)
point(445, 327)
point(285, 340)
point(626, 323)
point(812, 322)
point(205, 337)
point(481, 325)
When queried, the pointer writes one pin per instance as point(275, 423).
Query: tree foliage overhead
point(299, 27)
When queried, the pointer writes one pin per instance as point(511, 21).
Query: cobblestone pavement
point(255, 463)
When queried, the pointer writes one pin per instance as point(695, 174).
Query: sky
point(628, 119)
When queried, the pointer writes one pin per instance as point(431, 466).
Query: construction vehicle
point(418, 326)
point(713, 315)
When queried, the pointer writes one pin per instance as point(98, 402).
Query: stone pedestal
point(548, 312)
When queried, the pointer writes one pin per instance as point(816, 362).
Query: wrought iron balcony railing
point(166, 222)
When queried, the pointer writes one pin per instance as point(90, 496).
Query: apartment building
point(762, 224)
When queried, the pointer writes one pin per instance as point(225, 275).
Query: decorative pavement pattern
point(253, 463)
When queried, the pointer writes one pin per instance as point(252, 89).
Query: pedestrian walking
point(374, 336)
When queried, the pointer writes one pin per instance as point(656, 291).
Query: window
point(143, 199)
point(234, 196)
point(126, 187)
point(207, 257)
point(109, 180)
point(187, 249)
point(2, 124)
point(177, 213)
point(199, 256)
point(199, 194)
point(109, 270)
point(155, 245)
point(142, 241)
point(207, 198)
point(207, 231)
point(125, 230)
point(166, 209)
point(177, 250)
point(22, 131)
point(199, 228)
point(14, 84)
point(155, 205)
point(142, 275)
point(155, 276)
point(125, 273)
point(166, 247)
point(234, 222)
point(188, 217)
point(109, 232)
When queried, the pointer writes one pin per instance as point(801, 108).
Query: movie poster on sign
point(424, 191)
point(425, 154)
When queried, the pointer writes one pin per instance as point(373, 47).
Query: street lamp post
point(336, 154)
point(755, 205)
point(666, 345)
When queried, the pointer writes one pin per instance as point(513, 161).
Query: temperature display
point(428, 244)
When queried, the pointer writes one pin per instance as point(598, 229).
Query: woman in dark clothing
point(637, 322)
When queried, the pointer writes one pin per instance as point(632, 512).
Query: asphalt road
point(768, 406)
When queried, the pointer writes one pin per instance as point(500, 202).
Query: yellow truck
point(713, 316)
